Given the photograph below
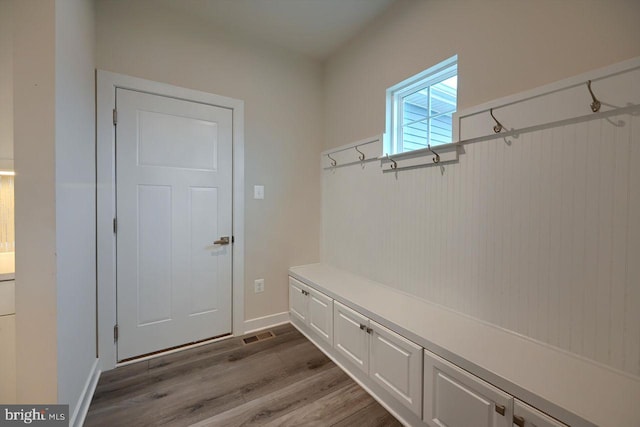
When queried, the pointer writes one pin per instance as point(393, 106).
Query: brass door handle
point(223, 241)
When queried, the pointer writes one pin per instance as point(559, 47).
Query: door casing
point(106, 84)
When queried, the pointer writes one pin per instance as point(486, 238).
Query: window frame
point(396, 94)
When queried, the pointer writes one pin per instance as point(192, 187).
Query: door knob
point(223, 241)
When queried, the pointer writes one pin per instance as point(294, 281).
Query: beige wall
point(75, 198)
point(34, 137)
point(503, 47)
point(6, 85)
point(283, 126)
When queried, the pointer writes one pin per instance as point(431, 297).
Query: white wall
point(283, 125)
point(55, 199)
point(34, 149)
point(6, 85)
point(509, 234)
point(75, 196)
point(503, 47)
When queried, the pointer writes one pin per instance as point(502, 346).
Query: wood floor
point(281, 381)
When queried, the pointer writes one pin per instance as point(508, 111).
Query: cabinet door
point(396, 365)
point(527, 416)
point(350, 335)
point(298, 301)
point(320, 315)
point(455, 398)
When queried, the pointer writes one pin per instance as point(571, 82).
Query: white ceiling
point(311, 27)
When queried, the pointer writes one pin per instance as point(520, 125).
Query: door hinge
point(115, 333)
point(115, 117)
point(233, 239)
point(115, 225)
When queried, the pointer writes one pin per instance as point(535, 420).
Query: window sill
point(421, 158)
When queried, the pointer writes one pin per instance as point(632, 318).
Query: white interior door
point(173, 201)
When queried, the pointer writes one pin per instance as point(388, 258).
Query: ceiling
point(312, 27)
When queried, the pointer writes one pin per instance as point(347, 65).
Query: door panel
point(396, 365)
point(154, 254)
point(173, 199)
point(349, 338)
point(204, 264)
point(177, 141)
point(321, 315)
point(455, 398)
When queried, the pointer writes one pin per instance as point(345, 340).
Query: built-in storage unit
point(455, 398)
point(431, 366)
point(390, 360)
point(312, 308)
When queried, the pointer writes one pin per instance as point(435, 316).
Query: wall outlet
point(258, 285)
point(258, 192)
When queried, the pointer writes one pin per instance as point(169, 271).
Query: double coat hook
point(394, 164)
point(497, 128)
point(436, 159)
point(595, 105)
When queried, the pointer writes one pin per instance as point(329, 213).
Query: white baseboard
point(82, 406)
point(269, 321)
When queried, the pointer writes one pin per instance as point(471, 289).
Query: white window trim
point(398, 91)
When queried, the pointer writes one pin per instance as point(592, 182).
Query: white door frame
point(106, 84)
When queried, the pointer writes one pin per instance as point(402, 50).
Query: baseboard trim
point(253, 325)
point(82, 406)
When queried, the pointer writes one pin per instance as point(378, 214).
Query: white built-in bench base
point(576, 391)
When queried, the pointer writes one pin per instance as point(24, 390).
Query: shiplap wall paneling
point(535, 232)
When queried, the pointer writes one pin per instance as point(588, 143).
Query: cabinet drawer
point(455, 398)
point(396, 365)
point(528, 416)
point(350, 336)
point(320, 315)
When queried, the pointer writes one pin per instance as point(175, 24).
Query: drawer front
point(396, 365)
point(527, 416)
point(455, 398)
point(350, 340)
point(298, 301)
point(320, 315)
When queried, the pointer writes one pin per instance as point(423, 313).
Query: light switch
point(258, 191)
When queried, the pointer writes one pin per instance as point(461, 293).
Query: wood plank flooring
point(281, 381)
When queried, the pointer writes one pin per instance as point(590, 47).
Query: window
point(420, 109)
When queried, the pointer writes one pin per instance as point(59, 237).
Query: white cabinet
point(311, 308)
point(455, 398)
point(298, 301)
point(395, 363)
point(527, 416)
point(351, 338)
point(8, 359)
point(390, 360)
point(320, 314)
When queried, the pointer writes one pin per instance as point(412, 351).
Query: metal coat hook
point(394, 163)
point(333, 161)
point(361, 155)
point(595, 105)
point(497, 128)
point(436, 159)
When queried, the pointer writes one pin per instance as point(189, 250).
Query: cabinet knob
point(369, 330)
point(519, 421)
point(363, 327)
point(500, 409)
